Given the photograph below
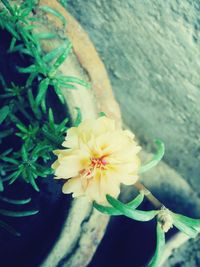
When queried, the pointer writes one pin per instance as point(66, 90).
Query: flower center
point(98, 162)
point(94, 164)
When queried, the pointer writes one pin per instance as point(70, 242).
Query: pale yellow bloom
point(97, 159)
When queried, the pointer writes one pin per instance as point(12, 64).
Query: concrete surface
point(151, 50)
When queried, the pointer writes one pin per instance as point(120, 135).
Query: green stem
point(156, 203)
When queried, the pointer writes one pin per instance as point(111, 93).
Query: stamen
point(95, 163)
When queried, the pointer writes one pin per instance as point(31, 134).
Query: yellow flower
point(97, 159)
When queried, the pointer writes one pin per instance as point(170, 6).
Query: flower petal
point(71, 139)
point(68, 167)
point(73, 185)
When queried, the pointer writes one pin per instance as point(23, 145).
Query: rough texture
point(187, 256)
point(151, 51)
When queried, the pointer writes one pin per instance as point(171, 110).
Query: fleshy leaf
point(9, 228)
point(45, 35)
point(60, 59)
point(10, 213)
point(78, 117)
point(54, 12)
point(43, 86)
point(187, 220)
point(138, 215)
point(59, 93)
point(54, 53)
point(106, 210)
point(156, 158)
point(33, 183)
point(70, 79)
point(160, 243)
point(15, 201)
point(30, 69)
point(113, 211)
point(1, 185)
point(136, 201)
point(184, 225)
point(4, 113)
point(102, 114)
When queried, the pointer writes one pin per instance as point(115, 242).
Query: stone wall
point(151, 50)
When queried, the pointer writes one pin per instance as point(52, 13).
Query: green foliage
point(11, 213)
point(186, 224)
point(27, 116)
point(63, 3)
point(3, 113)
point(128, 211)
point(165, 220)
point(9, 228)
point(160, 243)
point(78, 117)
point(49, 75)
point(41, 134)
point(55, 13)
point(156, 158)
point(113, 211)
point(102, 114)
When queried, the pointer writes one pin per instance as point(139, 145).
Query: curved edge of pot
point(84, 227)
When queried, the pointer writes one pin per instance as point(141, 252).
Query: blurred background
point(151, 50)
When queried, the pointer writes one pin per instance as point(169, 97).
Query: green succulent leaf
point(102, 114)
point(55, 13)
point(1, 185)
point(59, 93)
point(160, 243)
point(43, 86)
point(61, 128)
point(156, 158)
point(6, 133)
point(187, 220)
point(10, 213)
point(137, 215)
point(31, 69)
point(106, 210)
point(51, 118)
point(9, 228)
point(63, 3)
point(70, 79)
point(185, 224)
point(4, 113)
point(66, 85)
point(60, 59)
point(54, 53)
point(14, 176)
point(45, 35)
point(34, 105)
point(113, 211)
point(8, 6)
point(78, 119)
point(33, 183)
point(15, 201)
point(10, 160)
point(136, 201)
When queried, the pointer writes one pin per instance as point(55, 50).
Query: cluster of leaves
point(163, 216)
point(185, 224)
point(40, 135)
point(11, 213)
point(30, 129)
